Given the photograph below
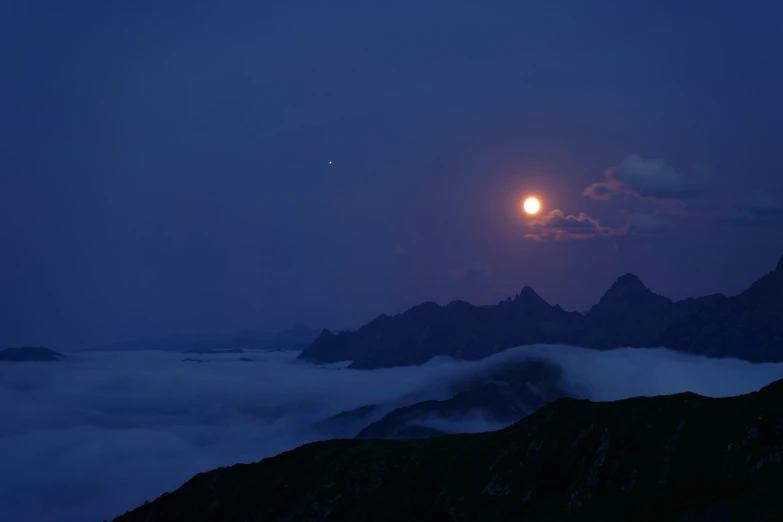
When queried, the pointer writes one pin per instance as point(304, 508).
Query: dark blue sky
point(164, 164)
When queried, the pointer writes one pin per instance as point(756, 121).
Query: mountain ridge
point(497, 398)
point(747, 326)
point(628, 314)
point(674, 458)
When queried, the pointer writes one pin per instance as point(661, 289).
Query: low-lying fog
point(92, 437)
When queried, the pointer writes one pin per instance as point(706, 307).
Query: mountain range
point(671, 458)
point(746, 326)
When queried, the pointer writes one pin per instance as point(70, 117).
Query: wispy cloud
point(557, 226)
point(759, 209)
point(646, 179)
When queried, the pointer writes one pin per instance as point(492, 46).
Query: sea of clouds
point(87, 439)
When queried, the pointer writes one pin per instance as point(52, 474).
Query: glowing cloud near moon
point(531, 205)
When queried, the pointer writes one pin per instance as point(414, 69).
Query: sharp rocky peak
point(768, 287)
point(627, 283)
point(529, 296)
point(625, 287)
point(629, 280)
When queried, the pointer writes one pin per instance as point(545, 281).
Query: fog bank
point(90, 438)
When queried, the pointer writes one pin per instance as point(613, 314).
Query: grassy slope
point(679, 458)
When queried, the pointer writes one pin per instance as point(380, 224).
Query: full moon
point(531, 205)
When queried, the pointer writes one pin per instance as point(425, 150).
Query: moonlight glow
point(531, 205)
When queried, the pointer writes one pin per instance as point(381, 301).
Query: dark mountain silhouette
point(630, 315)
point(29, 353)
point(670, 458)
point(296, 338)
point(498, 399)
point(348, 423)
point(627, 314)
point(748, 326)
point(458, 329)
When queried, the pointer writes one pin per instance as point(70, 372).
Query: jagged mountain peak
point(629, 314)
point(627, 287)
point(630, 299)
point(528, 291)
point(459, 304)
point(769, 288)
point(425, 308)
point(629, 280)
point(528, 295)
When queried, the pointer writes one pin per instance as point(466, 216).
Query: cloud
point(99, 435)
point(478, 270)
point(557, 226)
point(646, 179)
point(599, 190)
point(471, 422)
point(758, 210)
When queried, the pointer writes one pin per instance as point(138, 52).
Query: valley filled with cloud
point(98, 434)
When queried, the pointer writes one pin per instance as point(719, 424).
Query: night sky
point(164, 165)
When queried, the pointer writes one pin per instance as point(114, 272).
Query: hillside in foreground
point(669, 458)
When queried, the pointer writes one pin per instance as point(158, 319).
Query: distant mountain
point(630, 315)
point(29, 353)
point(296, 338)
point(670, 458)
point(504, 397)
point(458, 329)
point(348, 423)
point(748, 326)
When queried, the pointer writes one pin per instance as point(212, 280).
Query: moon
point(532, 205)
